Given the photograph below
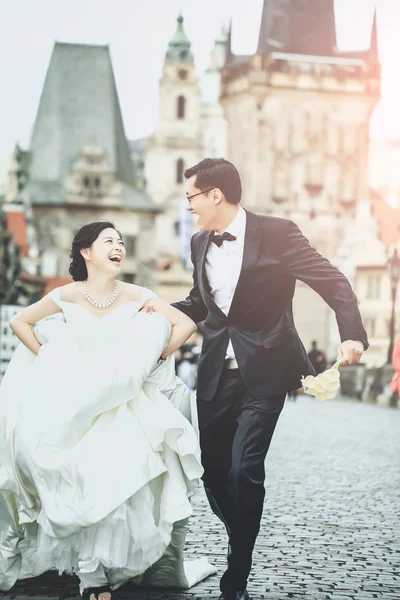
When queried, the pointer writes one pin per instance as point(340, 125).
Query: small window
point(181, 107)
point(97, 182)
point(180, 167)
point(86, 182)
point(305, 68)
point(373, 287)
point(183, 54)
point(130, 245)
point(182, 74)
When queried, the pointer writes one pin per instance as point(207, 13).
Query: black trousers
point(235, 434)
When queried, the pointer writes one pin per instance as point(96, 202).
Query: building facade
point(298, 115)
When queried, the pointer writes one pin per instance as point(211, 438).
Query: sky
point(138, 32)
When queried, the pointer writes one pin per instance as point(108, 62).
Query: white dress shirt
point(223, 266)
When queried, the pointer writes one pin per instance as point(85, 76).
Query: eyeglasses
point(198, 194)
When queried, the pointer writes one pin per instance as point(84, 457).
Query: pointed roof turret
point(232, 59)
point(79, 101)
point(179, 47)
point(373, 49)
point(298, 27)
point(370, 55)
point(229, 53)
point(77, 104)
point(219, 52)
point(223, 35)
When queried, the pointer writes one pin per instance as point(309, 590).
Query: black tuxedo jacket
point(269, 352)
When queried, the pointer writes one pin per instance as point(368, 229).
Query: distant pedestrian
point(317, 358)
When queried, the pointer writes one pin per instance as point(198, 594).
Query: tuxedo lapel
point(251, 248)
point(202, 262)
point(202, 276)
point(250, 256)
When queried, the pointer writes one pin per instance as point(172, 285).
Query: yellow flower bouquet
point(324, 386)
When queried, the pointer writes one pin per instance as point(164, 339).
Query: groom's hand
point(350, 352)
point(147, 308)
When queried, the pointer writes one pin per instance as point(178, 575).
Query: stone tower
point(298, 113)
point(80, 167)
point(175, 144)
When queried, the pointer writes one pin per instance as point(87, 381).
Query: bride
point(98, 459)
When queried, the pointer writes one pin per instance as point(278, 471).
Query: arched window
point(180, 167)
point(181, 107)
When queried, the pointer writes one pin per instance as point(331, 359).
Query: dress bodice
point(98, 333)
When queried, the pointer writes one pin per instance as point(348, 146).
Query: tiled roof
point(44, 192)
point(137, 200)
point(305, 27)
point(79, 103)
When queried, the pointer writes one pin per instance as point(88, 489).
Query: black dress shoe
point(238, 595)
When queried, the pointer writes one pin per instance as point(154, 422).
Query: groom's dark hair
point(217, 173)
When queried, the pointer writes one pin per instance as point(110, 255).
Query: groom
point(245, 270)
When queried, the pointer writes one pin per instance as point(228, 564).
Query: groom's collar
point(251, 220)
point(237, 226)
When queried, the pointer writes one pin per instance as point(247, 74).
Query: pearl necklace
point(94, 302)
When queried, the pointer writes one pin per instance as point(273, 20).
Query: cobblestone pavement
point(330, 529)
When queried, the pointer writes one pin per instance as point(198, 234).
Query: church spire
point(179, 46)
point(373, 51)
point(219, 52)
point(229, 53)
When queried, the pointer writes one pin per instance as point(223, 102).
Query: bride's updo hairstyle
point(84, 238)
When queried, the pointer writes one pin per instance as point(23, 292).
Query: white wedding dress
point(98, 458)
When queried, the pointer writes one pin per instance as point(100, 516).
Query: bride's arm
point(182, 326)
point(22, 322)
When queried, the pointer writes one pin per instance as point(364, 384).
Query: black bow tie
point(225, 237)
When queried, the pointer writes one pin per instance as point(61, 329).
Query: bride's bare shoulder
point(71, 291)
point(131, 291)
